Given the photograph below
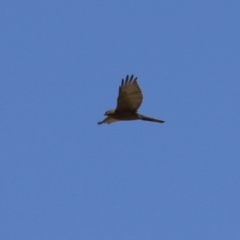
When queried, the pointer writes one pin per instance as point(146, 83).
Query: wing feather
point(130, 95)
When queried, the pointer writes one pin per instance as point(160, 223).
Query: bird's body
point(129, 100)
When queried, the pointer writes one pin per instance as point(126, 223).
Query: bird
point(129, 100)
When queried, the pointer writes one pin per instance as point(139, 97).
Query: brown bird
point(129, 100)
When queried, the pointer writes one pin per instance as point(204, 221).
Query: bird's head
point(109, 112)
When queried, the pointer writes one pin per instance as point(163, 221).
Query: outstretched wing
point(130, 95)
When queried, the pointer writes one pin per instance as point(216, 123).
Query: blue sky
point(62, 176)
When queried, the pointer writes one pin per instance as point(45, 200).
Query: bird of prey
point(129, 100)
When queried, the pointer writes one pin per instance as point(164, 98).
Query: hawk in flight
point(129, 100)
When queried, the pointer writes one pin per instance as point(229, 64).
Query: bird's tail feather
point(145, 118)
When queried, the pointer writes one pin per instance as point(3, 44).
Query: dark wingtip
point(131, 78)
point(126, 80)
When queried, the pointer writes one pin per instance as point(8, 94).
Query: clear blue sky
point(64, 177)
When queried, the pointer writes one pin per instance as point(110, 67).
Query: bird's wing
point(130, 95)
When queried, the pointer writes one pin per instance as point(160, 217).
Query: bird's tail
point(144, 118)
